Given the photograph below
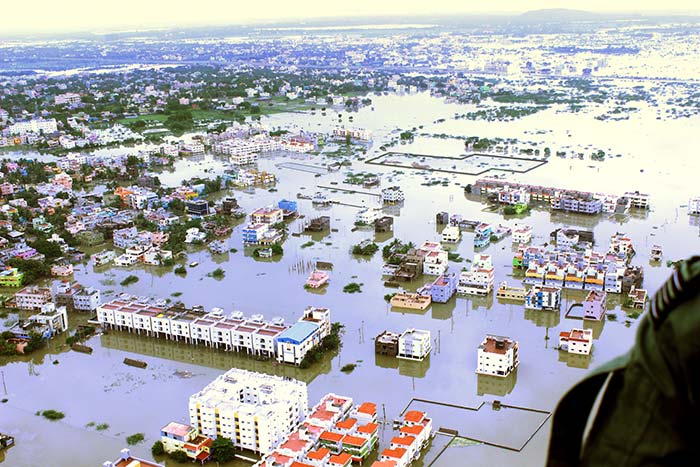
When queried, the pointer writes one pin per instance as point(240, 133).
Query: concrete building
point(451, 234)
point(479, 279)
point(368, 216)
point(497, 356)
point(51, 321)
point(197, 207)
point(694, 206)
point(387, 343)
point(578, 341)
point(522, 234)
point(542, 297)
point(269, 215)
point(294, 343)
point(11, 277)
point(637, 200)
point(414, 344)
point(254, 410)
point(434, 258)
point(33, 297)
point(594, 305)
point(180, 437)
point(86, 299)
point(392, 195)
point(443, 288)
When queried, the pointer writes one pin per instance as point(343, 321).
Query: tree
point(49, 249)
point(222, 450)
point(157, 449)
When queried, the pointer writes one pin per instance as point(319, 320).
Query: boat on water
point(194, 264)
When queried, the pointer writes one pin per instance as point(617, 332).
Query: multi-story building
point(583, 203)
point(294, 343)
point(33, 126)
point(451, 234)
point(387, 343)
point(443, 288)
point(542, 297)
point(86, 299)
point(512, 196)
point(414, 344)
point(354, 133)
point(68, 98)
point(254, 234)
point(33, 297)
point(693, 206)
point(49, 322)
point(594, 305)
point(576, 341)
point(197, 207)
point(180, 437)
point(638, 200)
point(269, 215)
point(125, 238)
point(522, 234)
point(392, 195)
point(127, 460)
point(434, 258)
point(479, 279)
point(254, 410)
point(11, 277)
point(368, 216)
point(482, 235)
point(497, 356)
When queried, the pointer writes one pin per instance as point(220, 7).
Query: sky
point(99, 15)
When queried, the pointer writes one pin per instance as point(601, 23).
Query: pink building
point(317, 279)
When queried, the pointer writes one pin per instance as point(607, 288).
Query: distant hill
point(556, 15)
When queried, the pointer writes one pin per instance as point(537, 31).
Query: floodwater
point(99, 388)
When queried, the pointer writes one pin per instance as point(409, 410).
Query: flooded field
point(656, 157)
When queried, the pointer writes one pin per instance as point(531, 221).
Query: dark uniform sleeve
point(648, 411)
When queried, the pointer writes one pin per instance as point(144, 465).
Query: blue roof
point(298, 333)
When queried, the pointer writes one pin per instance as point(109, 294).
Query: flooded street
point(657, 157)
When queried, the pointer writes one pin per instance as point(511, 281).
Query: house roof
point(298, 332)
point(341, 459)
point(368, 428)
point(414, 416)
point(367, 408)
point(330, 436)
point(354, 440)
point(346, 424)
point(403, 440)
point(177, 429)
point(318, 454)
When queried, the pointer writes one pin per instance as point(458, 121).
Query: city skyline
point(81, 16)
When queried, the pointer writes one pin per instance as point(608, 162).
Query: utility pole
point(4, 386)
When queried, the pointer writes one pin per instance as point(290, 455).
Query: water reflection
point(204, 356)
point(575, 360)
point(489, 384)
point(414, 369)
point(543, 319)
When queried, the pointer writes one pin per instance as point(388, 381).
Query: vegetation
point(389, 296)
point(222, 450)
point(33, 270)
point(454, 256)
point(365, 249)
point(130, 279)
point(102, 426)
point(353, 287)
point(348, 367)
point(52, 415)
point(180, 270)
point(157, 449)
point(330, 343)
point(217, 273)
point(80, 334)
point(136, 438)
point(179, 456)
point(307, 244)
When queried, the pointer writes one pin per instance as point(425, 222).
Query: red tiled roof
point(318, 454)
point(414, 416)
point(330, 436)
point(346, 424)
point(414, 430)
point(369, 408)
point(341, 459)
point(369, 428)
point(354, 440)
point(397, 453)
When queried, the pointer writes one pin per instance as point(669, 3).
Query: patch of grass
point(180, 270)
point(90, 425)
point(634, 315)
point(102, 426)
point(348, 367)
point(52, 415)
point(353, 287)
point(308, 244)
point(176, 294)
point(131, 279)
point(454, 256)
point(233, 250)
point(611, 316)
point(136, 438)
point(389, 296)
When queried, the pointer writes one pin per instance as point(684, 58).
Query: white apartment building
point(86, 299)
point(414, 344)
point(254, 410)
point(392, 195)
point(368, 216)
point(293, 343)
point(638, 200)
point(244, 159)
point(543, 297)
point(195, 147)
point(69, 98)
point(694, 206)
point(578, 341)
point(522, 234)
point(451, 234)
point(497, 356)
point(33, 297)
point(434, 258)
point(479, 279)
point(34, 126)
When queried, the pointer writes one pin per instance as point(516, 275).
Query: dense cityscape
point(389, 243)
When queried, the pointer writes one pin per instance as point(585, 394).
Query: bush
point(157, 449)
point(102, 426)
point(307, 244)
point(180, 270)
point(347, 368)
point(353, 287)
point(52, 415)
point(218, 273)
point(365, 250)
point(136, 438)
point(179, 456)
point(329, 343)
point(131, 279)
